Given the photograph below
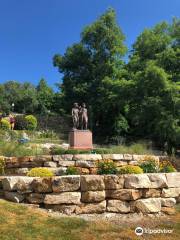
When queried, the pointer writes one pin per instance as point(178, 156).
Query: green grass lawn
point(18, 222)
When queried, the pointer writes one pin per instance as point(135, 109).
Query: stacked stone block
point(85, 163)
point(88, 194)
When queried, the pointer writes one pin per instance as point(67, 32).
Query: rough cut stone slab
point(128, 157)
point(24, 184)
point(42, 158)
point(62, 208)
point(113, 182)
point(138, 157)
point(12, 162)
point(92, 196)
point(137, 181)
point(121, 163)
point(10, 183)
point(149, 205)
point(66, 163)
point(50, 164)
point(14, 197)
point(93, 170)
point(86, 164)
point(66, 183)
point(124, 194)
point(158, 180)
point(151, 192)
point(64, 157)
point(42, 185)
point(173, 179)
point(60, 171)
point(83, 171)
point(84, 157)
point(118, 206)
point(113, 156)
point(134, 163)
point(22, 171)
point(92, 183)
point(35, 198)
point(168, 210)
point(168, 202)
point(63, 198)
point(91, 208)
point(170, 192)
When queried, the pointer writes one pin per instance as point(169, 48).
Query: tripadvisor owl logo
point(139, 231)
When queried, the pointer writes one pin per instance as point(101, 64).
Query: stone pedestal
point(80, 139)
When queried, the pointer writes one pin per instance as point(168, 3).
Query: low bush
point(48, 134)
point(12, 149)
point(40, 172)
point(20, 122)
point(106, 167)
point(166, 167)
point(5, 124)
point(2, 166)
point(59, 151)
point(102, 150)
point(31, 122)
point(72, 171)
point(149, 164)
point(130, 169)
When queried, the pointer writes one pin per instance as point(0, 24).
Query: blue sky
point(31, 32)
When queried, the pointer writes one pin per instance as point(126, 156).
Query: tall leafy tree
point(153, 67)
point(45, 96)
point(88, 65)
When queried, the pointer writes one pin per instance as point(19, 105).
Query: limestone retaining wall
point(146, 193)
point(85, 163)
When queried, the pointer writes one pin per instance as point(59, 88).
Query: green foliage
point(45, 97)
point(40, 172)
point(59, 151)
point(31, 122)
point(2, 166)
point(166, 166)
point(13, 149)
point(130, 169)
point(106, 167)
point(87, 66)
point(48, 134)
point(20, 122)
point(5, 125)
point(149, 165)
point(72, 171)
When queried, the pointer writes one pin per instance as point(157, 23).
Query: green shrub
point(48, 134)
point(11, 149)
point(130, 169)
point(5, 124)
point(72, 171)
point(102, 150)
point(107, 167)
point(40, 172)
point(149, 164)
point(59, 151)
point(2, 166)
point(166, 166)
point(20, 122)
point(31, 122)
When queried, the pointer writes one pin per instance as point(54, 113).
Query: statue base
point(80, 139)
